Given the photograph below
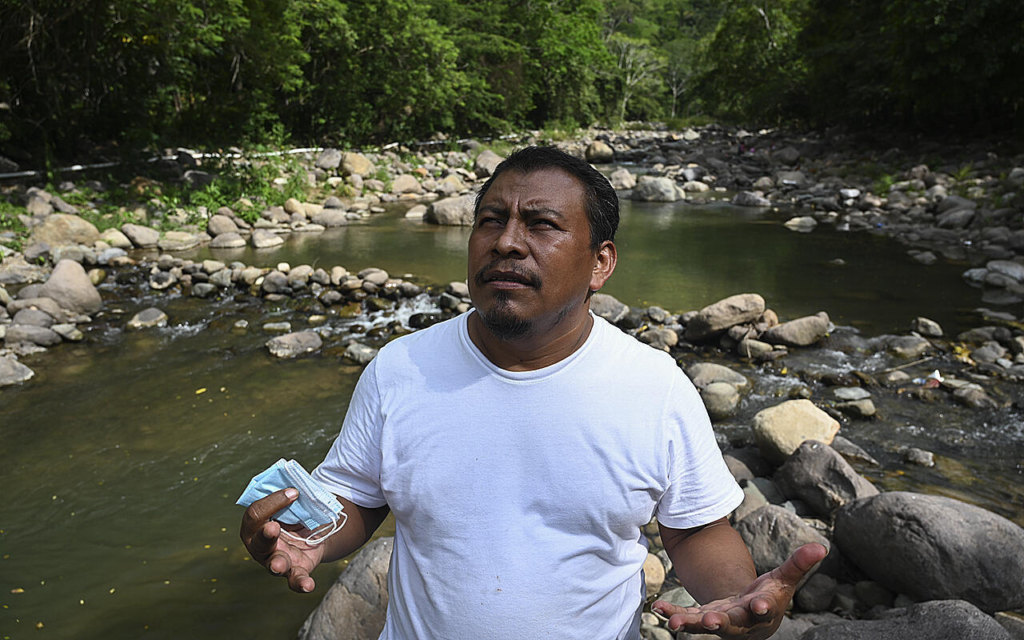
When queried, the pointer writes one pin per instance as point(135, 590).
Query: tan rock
point(780, 430)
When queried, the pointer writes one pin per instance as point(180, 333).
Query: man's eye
point(488, 221)
point(544, 224)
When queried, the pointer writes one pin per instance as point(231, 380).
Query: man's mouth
point(508, 278)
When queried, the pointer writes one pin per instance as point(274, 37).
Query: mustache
point(497, 265)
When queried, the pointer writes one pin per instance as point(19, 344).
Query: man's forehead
point(541, 183)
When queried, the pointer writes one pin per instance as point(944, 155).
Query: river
point(122, 459)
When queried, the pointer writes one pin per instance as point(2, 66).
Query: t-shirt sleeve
point(352, 466)
point(701, 489)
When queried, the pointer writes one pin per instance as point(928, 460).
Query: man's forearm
point(712, 561)
point(361, 524)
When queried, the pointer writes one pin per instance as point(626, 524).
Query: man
point(522, 446)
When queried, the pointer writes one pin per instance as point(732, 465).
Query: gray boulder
point(360, 353)
point(822, 478)
point(933, 548)
point(329, 159)
point(331, 218)
point(59, 230)
point(486, 163)
point(720, 399)
point(13, 372)
point(262, 239)
point(608, 307)
point(69, 285)
point(356, 604)
point(178, 241)
point(716, 318)
point(294, 344)
point(781, 429)
point(457, 211)
point(935, 620)
point(801, 332)
point(786, 155)
point(772, 534)
point(599, 153)
point(219, 224)
point(622, 179)
point(141, 236)
point(660, 338)
point(230, 240)
point(653, 189)
point(42, 336)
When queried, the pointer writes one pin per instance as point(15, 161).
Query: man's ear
point(604, 264)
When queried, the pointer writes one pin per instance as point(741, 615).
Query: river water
point(122, 459)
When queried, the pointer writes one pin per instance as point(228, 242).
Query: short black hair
point(602, 203)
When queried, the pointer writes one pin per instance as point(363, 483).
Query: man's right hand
point(281, 555)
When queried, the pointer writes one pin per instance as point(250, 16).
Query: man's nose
point(512, 240)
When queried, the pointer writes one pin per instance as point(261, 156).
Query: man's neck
point(532, 352)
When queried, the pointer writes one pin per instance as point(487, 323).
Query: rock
point(801, 223)
point(277, 327)
point(374, 275)
point(754, 349)
point(360, 353)
point(42, 336)
point(69, 285)
point(816, 594)
point(1012, 622)
point(13, 372)
point(356, 164)
point(220, 224)
point(178, 241)
point(329, 159)
point(599, 153)
point(956, 219)
point(294, 344)
point(14, 270)
point(926, 327)
point(753, 500)
point(140, 236)
point(622, 179)
point(863, 408)
point(791, 179)
point(331, 218)
point(230, 240)
point(222, 278)
point(148, 318)
point(654, 189)
point(654, 574)
point(416, 212)
point(935, 548)
point(695, 186)
point(819, 476)
point(486, 163)
point(452, 211)
point(406, 183)
point(908, 347)
point(608, 307)
point(851, 393)
point(59, 230)
point(781, 429)
point(1007, 268)
point(47, 305)
point(703, 374)
point(936, 620)
point(203, 289)
point(116, 239)
point(355, 606)
point(716, 318)
point(720, 399)
point(262, 239)
point(750, 199)
point(786, 155)
point(34, 317)
point(772, 534)
point(274, 282)
point(972, 395)
point(801, 332)
point(660, 338)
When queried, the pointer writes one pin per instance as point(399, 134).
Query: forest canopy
point(133, 74)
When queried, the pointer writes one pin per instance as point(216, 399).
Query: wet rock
point(720, 399)
point(360, 353)
point(908, 347)
point(772, 534)
point(275, 282)
point(355, 606)
point(801, 332)
point(622, 179)
point(374, 275)
point(42, 336)
point(68, 332)
point(294, 344)
point(851, 393)
point(703, 374)
point(71, 288)
point(863, 408)
point(277, 327)
point(801, 223)
point(262, 239)
point(926, 327)
point(599, 153)
point(972, 395)
point(162, 280)
point(819, 476)
point(936, 620)
point(852, 451)
point(780, 430)
point(934, 548)
point(60, 230)
point(608, 307)
point(750, 199)
point(713, 319)
point(203, 290)
point(655, 189)
point(13, 372)
point(147, 319)
point(140, 236)
point(457, 211)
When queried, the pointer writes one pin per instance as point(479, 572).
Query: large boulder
point(935, 620)
point(13, 372)
point(773, 533)
point(935, 548)
point(178, 241)
point(59, 230)
point(653, 189)
point(329, 159)
point(220, 224)
point(356, 604)
point(456, 211)
point(32, 334)
point(356, 164)
point(802, 332)
point(294, 344)
point(822, 478)
point(599, 153)
point(716, 318)
point(141, 236)
point(406, 183)
point(486, 163)
point(720, 399)
point(262, 239)
point(781, 429)
point(622, 179)
point(69, 285)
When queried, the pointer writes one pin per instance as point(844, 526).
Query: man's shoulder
point(429, 344)
point(632, 353)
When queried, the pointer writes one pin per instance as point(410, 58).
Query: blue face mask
point(316, 509)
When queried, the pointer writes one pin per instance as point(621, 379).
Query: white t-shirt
point(519, 496)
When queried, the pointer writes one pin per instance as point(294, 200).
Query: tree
point(637, 63)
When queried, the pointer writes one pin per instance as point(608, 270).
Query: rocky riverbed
point(794, 400)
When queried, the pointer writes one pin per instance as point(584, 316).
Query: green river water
point(122, 459)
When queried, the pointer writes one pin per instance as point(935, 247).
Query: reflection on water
point(123, 458)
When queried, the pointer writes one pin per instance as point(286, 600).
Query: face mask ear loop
point(319, 538)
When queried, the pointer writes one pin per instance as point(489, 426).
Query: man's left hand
point(754, 614)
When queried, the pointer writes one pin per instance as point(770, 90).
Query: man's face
point(530, 261)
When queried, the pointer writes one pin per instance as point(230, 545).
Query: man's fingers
point(299, 580)
point(797, 565)
point(261, 511)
